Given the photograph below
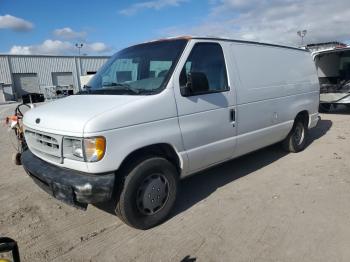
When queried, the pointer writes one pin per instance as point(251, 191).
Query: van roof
point(229, 40)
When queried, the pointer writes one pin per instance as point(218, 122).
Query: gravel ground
point(266, 206)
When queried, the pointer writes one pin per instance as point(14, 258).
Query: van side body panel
point(270, 85)
point(274, 85)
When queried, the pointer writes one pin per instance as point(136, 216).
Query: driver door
point(207, 114)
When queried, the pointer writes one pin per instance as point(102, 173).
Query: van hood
point(71, 114)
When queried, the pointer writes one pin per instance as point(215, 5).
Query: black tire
point(16, 158)
point(297, 137)
point(153, 178)
point(325, 107)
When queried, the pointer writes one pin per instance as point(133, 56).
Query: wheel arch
point(160, 149)
point(304, 116)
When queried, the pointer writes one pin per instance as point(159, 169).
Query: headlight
point(73, 148)
point(87, 149)
point(94, 148)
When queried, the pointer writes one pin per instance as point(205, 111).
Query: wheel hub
point(298, 135)
point(152, 194)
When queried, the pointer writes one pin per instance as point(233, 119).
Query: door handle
point(233, 116)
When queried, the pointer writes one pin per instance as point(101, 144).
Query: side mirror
point(185, 90)
point(197, 83)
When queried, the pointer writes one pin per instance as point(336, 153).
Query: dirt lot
point(266, 206)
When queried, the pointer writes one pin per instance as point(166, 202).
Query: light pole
point(302, 35)
point(79, 46)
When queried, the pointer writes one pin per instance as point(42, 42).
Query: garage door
point(62, 78)
point(26, 83)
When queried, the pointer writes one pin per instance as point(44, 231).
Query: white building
point(22, 74)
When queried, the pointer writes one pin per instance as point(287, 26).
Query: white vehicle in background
point(333, 68)
point(163, 110)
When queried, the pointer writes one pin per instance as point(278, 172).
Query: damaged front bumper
point(72, 187)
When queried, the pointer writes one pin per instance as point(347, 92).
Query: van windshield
point(138, 70)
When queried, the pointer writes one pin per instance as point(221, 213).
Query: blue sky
point(105, 26)
point(107, 22)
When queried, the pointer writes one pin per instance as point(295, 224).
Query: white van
point(160, 111)
point(333, 68)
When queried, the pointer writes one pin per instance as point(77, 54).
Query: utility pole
point(302, 34)
point(79, 46)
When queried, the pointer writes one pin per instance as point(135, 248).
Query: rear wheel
point(296, 139)
point(148, 193)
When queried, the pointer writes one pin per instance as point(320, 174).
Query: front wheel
point(148, 193)
point(296, 139)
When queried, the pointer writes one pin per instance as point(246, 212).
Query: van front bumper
point(72, 187)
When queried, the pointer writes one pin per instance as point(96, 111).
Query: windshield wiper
point(120, 87)
point(108, 84)
point(129, 88)
point(116, 90)
point(145, 92)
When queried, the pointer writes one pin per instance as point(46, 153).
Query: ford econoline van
point(163, 110)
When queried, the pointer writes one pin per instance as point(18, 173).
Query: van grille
point(45, 145)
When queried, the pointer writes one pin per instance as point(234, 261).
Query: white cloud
point(97, 47)
point(15, 23)
point(275, 21)
point(48, 47)
point(57, 47)
point(68, 33)
point(155, 5)
point(22, 50)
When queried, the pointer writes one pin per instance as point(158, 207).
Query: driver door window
point(207, 64)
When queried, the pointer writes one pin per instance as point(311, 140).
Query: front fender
point(123, 141)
